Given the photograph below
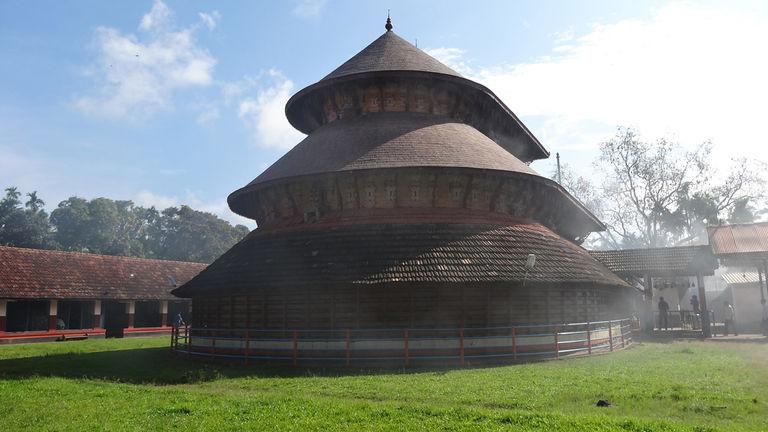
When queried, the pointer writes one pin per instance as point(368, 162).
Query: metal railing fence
point(405, 346)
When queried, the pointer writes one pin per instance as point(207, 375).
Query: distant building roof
point(737, 277)
point(740, 241)
point(669, 261)
point(35, 273)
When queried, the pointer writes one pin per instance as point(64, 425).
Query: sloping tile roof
point(392, 140)
point(395, 253)
point(34, 273)
point(670, 261)
point(739, 239)
point(387, 53)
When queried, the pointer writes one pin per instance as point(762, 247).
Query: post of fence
point(557, 343)
point(295, 347)
point(461, 345)
point(247, 346)
point(188, 335)
point(589, 338)
point(514, 343)
point(610, 335)
point(405, 343)
point(347, 345)
point(213, 344)
point(621, 332)
point(173, 335)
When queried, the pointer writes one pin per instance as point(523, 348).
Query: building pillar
point(53, 312)
point(130, 310)
point(648, 322)
point(164, 313)
point(706, 330)
point(96, 314)
point(3, 314)
point(763, 323)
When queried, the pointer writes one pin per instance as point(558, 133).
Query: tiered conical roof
point(390, 52)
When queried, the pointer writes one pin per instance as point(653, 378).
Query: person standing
point(663, 314)
point(729, 319)
point(696, 311)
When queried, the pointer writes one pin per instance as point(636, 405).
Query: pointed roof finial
point(388, 26)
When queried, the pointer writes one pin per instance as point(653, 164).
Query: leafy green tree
point(26, 226)
point(191, 235)
point(113, 227)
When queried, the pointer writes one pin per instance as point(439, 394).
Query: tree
point(111, 227)
point(26, 226)
point(190, 235)
point(589, 195)
point(660, 195)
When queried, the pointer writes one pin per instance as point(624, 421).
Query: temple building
point(48, 295)
point(410, 207)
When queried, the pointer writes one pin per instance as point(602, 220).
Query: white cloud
point(136, 75)
point(210, 20)
point(453, 57)
point(264, 114)
point(309, 9)
point(158, 17)
point(689, 71)
point(146, 198)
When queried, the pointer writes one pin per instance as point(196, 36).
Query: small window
point(414, 193)
point(391, 193)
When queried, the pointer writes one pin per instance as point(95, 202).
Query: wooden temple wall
point(407, 307)
point(400, 192)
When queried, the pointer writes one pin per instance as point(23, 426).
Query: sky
point(170, 102)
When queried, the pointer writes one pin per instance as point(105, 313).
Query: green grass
point(135, 384)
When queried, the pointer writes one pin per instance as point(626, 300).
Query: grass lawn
point(136, 384)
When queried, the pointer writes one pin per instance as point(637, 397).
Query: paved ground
point(742, 337)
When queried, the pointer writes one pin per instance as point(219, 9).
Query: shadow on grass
point(161, 367)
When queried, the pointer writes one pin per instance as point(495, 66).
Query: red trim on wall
point(96, 321)
point(76, 332)
point(164, 321)
point(130, 320)
point(52, 322)
point(2, 324)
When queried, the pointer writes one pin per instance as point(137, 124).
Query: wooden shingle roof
point(35, 273)
point(390, 52)
point(393, 140)
point(409, 253)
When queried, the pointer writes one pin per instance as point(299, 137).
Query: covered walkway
point(679, 268)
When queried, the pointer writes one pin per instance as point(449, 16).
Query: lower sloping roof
point(392, 253)
point(667, 261)
point(35, 273)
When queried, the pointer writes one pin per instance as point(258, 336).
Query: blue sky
point(175, 102)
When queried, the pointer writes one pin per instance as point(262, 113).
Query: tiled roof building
point(668, 261)
point(411, 203)
point(45, 293)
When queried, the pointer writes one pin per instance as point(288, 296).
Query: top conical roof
point(390, 52)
